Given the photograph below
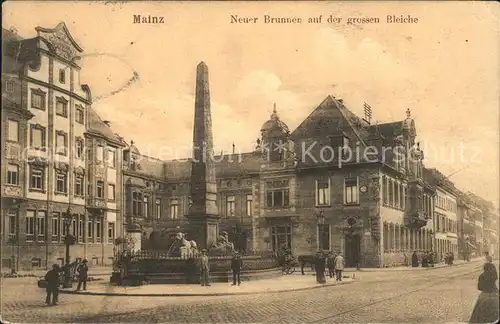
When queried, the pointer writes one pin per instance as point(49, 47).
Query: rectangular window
point(36, 178)
point(12, 223)
point(79, 186)
point(62, 76)
point(278, 198)
point(90, 229)
point(174, 208)
point(13, 131)
point(322, 193)
point(9, 86)
point(351, 191)
point(136, 203)
point(145, 207)
point(61, 183)
point(61, 107)
point(111, 192)
point(81, 229)
point(111, 158)
point(324, 236)
point(281, 236)
point(79, 116)
point(79, 149)
point(158, 208)
point(37, 99)
point(249, 205)
point(100, 189)
point(391, 193)
point(111, 232)
point(13, 174)
point(346, 143)
point(384, 190)
point(74, 227)
point(30, 225)
point(100, 154)
point(37, 137)
point(61, 143)
point(56, 227)
point(98, 230)
point(40, 225)
point(230, 206)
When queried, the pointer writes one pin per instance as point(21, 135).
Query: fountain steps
point(180, 278)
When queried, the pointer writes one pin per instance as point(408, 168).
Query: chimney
point(107, 122)
point(234, 148)
point(368, 113)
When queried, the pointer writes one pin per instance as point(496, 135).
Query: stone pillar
point(393, 233)
point(203, 214)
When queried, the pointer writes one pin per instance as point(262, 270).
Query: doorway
point(352, 249)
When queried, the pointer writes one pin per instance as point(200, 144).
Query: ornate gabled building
point(334, 183)
point(46, 123)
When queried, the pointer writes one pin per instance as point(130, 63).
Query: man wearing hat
point(53, 282)
point(83, 270)
point(204, 268)
point(236, 265)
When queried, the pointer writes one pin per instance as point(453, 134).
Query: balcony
point(96, 205)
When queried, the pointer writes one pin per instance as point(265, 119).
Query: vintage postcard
point(249, 162)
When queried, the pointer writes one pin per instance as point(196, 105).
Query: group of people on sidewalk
point(236, 266)
point(333, 261)
point(428, 259)
point(53, 281)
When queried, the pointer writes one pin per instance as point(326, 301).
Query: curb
point(412, 269)
point(70, 292)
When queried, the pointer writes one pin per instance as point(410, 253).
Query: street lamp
point(68, 241)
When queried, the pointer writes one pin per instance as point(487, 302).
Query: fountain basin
point(162, 269)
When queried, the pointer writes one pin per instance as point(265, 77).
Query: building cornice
point(54, 87)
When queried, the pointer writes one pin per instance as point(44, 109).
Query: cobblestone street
point(441, 295)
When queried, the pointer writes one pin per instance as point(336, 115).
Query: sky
point(444, 68)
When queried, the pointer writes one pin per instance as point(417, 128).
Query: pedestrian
point(83, 270)
point(414, 259)
point(236, 265)
point(319, 267)
point(52, 278)
point(486, 309)
point(330, 263)
point(339, 266)
point(204, 269)
point(488, 257)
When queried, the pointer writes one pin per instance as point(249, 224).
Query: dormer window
point(277, 150)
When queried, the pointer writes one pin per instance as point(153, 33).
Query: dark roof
point(10, 63)
point(232, 165)
point(387, 130)
point(97, 127)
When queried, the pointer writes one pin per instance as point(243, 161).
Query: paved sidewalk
point(308, 270)
point(275, 285)
point(93, 271)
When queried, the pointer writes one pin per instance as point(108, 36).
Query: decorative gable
point(326, 119)
point(61, 40)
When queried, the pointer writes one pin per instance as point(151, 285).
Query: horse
point(306, 259)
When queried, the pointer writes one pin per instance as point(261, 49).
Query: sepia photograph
point(249, 162)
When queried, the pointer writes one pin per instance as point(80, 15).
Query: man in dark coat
point(236, 265)
point(330, 262)
point(319, 266)
point(83, 270)
point(414, 259)
point(53, 282)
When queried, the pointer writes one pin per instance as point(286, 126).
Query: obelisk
point(203, 213)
